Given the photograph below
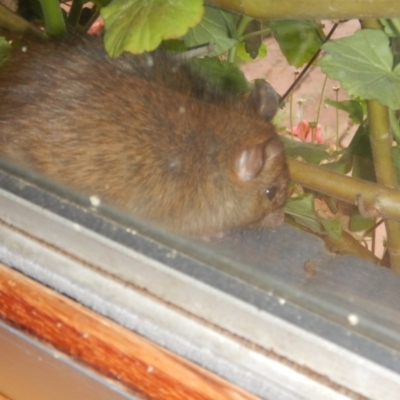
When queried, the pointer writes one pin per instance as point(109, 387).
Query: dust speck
point(94, 201)
point(171, 254)
point(353, 319)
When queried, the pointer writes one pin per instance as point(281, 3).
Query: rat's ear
point(274, 148)
point(263, 99)
point(250, 162)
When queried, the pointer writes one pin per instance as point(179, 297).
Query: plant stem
point(244, 21)
point(15, 23)
point(53, 18)
point(381, 143)
point(257, 33)
point(346, 244)
point(327, 9)
point(75, 13)
point(337, 118)
point(232, 54)
point(320, 100)
point(91, 21)
point(394, 125)
point(291, 109)
point(380, 197)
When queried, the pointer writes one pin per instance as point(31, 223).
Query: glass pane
point(197, 185)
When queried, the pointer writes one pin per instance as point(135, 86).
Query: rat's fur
point(138, 133)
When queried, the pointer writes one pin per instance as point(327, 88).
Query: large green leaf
point(298, 40)
point(217, 27)
point(310, 152)
point(363, 64)
point(353, 107)
point(140, 25)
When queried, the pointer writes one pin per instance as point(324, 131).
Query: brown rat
point(138, 132)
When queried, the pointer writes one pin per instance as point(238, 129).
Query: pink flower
point(96, 28)
point(308, 132)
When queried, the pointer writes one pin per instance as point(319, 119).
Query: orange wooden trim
point(106, 346)
point(2, 397)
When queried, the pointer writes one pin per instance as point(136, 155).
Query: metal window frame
point(253, 326)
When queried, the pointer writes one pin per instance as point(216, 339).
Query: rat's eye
point(271, 192)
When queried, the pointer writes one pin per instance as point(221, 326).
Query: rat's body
point(134, 132)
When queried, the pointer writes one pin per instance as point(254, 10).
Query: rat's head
point(260, 180)
point(240, 178)
point(261, 174)
point(232, 175)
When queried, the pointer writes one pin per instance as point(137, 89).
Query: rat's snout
point(273, 219)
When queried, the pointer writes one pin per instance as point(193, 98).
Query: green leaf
point(174, 46)
point(363, 165)
point(5, 50)
point(101, 3)
point(363, 64)
point(244, 56)
point(219, 76)
point(301, 209)
point(391, 26)
point(299, 40)
point(363, 168)
point(217, 27)
point(332, 227)
point(352, 107)
point(343, 165)
point(358, 223)
point(140, 25)
point(310, 152)
point(252, 43)
point(396, 160)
